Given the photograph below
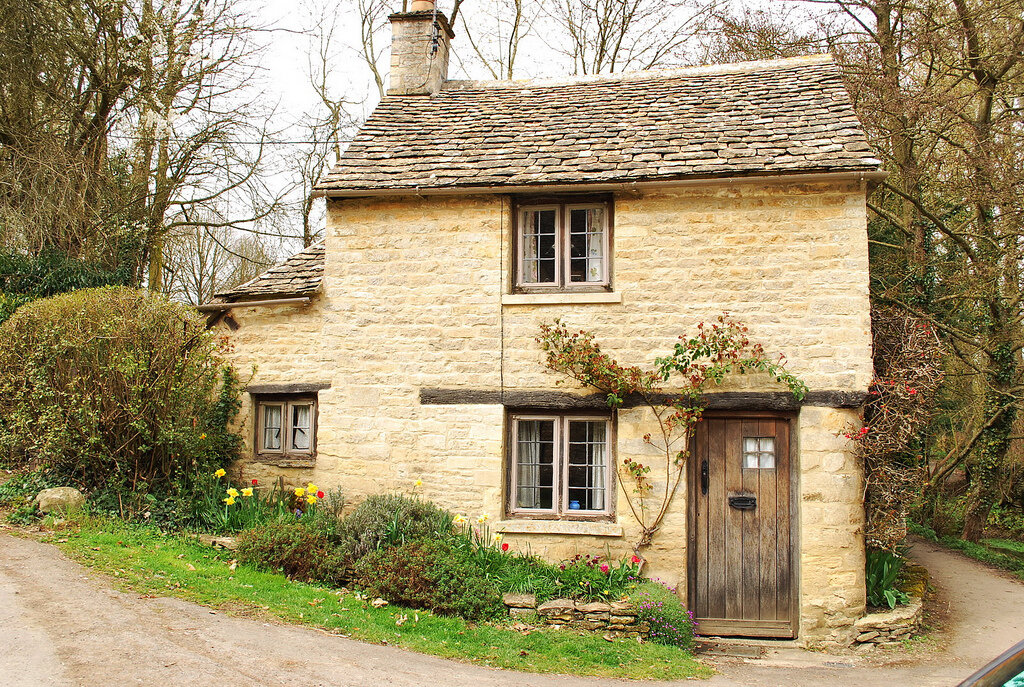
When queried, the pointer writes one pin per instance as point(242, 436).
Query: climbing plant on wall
point(695, 364)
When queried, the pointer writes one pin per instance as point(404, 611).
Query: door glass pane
point(587, 464)
point(535, 464)
point(539, 241)
point(586, 245)
point(759, 453)
point(302, 420)
point(272, 427)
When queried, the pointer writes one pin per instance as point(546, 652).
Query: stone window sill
point(564, 298)
point(285, 462)
point(578, 527)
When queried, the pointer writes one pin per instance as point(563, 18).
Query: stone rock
point(60, 500)
point(866, 637)
point(622, 608)
point(623, 619)
point(594, 607)
point(556, 607)
point(520, 600)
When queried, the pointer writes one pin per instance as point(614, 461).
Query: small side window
point(286, 426)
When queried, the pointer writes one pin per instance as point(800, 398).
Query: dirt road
point(61, 624)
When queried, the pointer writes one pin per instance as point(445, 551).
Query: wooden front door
point(741, 576)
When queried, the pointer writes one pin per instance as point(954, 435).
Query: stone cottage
point(465, 214)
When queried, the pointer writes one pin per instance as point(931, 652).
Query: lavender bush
point(659, 606)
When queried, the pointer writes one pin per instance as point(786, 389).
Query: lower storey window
point(560, 465)
point(286, 425)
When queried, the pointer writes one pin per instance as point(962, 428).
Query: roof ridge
point(702, 70)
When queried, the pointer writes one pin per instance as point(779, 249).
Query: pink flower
point(635, 559)
point(605, 568)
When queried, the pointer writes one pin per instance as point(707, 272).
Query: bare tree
point(201, 262)
point(496, 31)
point(604, 36)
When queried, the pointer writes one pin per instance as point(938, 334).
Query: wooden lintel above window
point(563, 400)
point(295, 388)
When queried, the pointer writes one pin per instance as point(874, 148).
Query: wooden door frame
point(693, 488)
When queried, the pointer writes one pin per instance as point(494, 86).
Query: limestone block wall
point(416, 295)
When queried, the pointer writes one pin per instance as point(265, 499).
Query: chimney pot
point(422, 6)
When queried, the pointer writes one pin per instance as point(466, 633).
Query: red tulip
point(635, 559)
point(605, 568)
point(504, 547)
point(319, 494)
point(255, 482)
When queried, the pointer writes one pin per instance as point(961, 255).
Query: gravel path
point(61, 624)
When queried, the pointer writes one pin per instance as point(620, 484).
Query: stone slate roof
point(299, 275)
point(775, 117)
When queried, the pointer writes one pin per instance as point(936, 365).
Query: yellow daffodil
point(299, 491)
point(201, 437)
point(497, 538)
point(220, 473)
point(483, 518)
point(229, 500)
point(311, 499)
point(460, 520)
point(247, 491)
point(311, 488)
point(232, 492)
point(418, 483)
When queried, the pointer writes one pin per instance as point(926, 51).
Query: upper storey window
point(563, 245)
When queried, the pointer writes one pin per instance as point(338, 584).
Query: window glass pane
point(302, 419)
point(759, 452)
point(539, 246)
point(587, 464)
point(586, 245)
point(272, 428)
point(535, 464)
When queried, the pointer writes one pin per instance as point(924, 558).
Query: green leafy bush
point(883, 568)
point(386, 520)
point(115, 387)
point(430, 574)
point(295, 549)
point(659, 606)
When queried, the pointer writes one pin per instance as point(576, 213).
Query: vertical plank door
point(741, 526)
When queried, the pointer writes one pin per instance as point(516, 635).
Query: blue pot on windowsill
point(574, 505)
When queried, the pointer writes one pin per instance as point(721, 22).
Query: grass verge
point(978, 552)
point(147, 561)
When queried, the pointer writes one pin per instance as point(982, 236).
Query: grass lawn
point(147, 561)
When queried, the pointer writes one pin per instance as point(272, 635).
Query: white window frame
point(563, 248)
point(287, 404)
point(560, 497)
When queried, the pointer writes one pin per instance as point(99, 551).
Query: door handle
point(743, 502)
point(704, 477)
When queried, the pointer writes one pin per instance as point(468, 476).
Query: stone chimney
point(420, 40)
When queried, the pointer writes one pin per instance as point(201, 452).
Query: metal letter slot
point(745, 502)
point(704, 477)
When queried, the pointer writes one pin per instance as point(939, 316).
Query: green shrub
point(659, 606)
point(115, 387)
point(883, 568)
point(430, 574)
point(386, 520)
point(295, 549)
point(23, 488)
